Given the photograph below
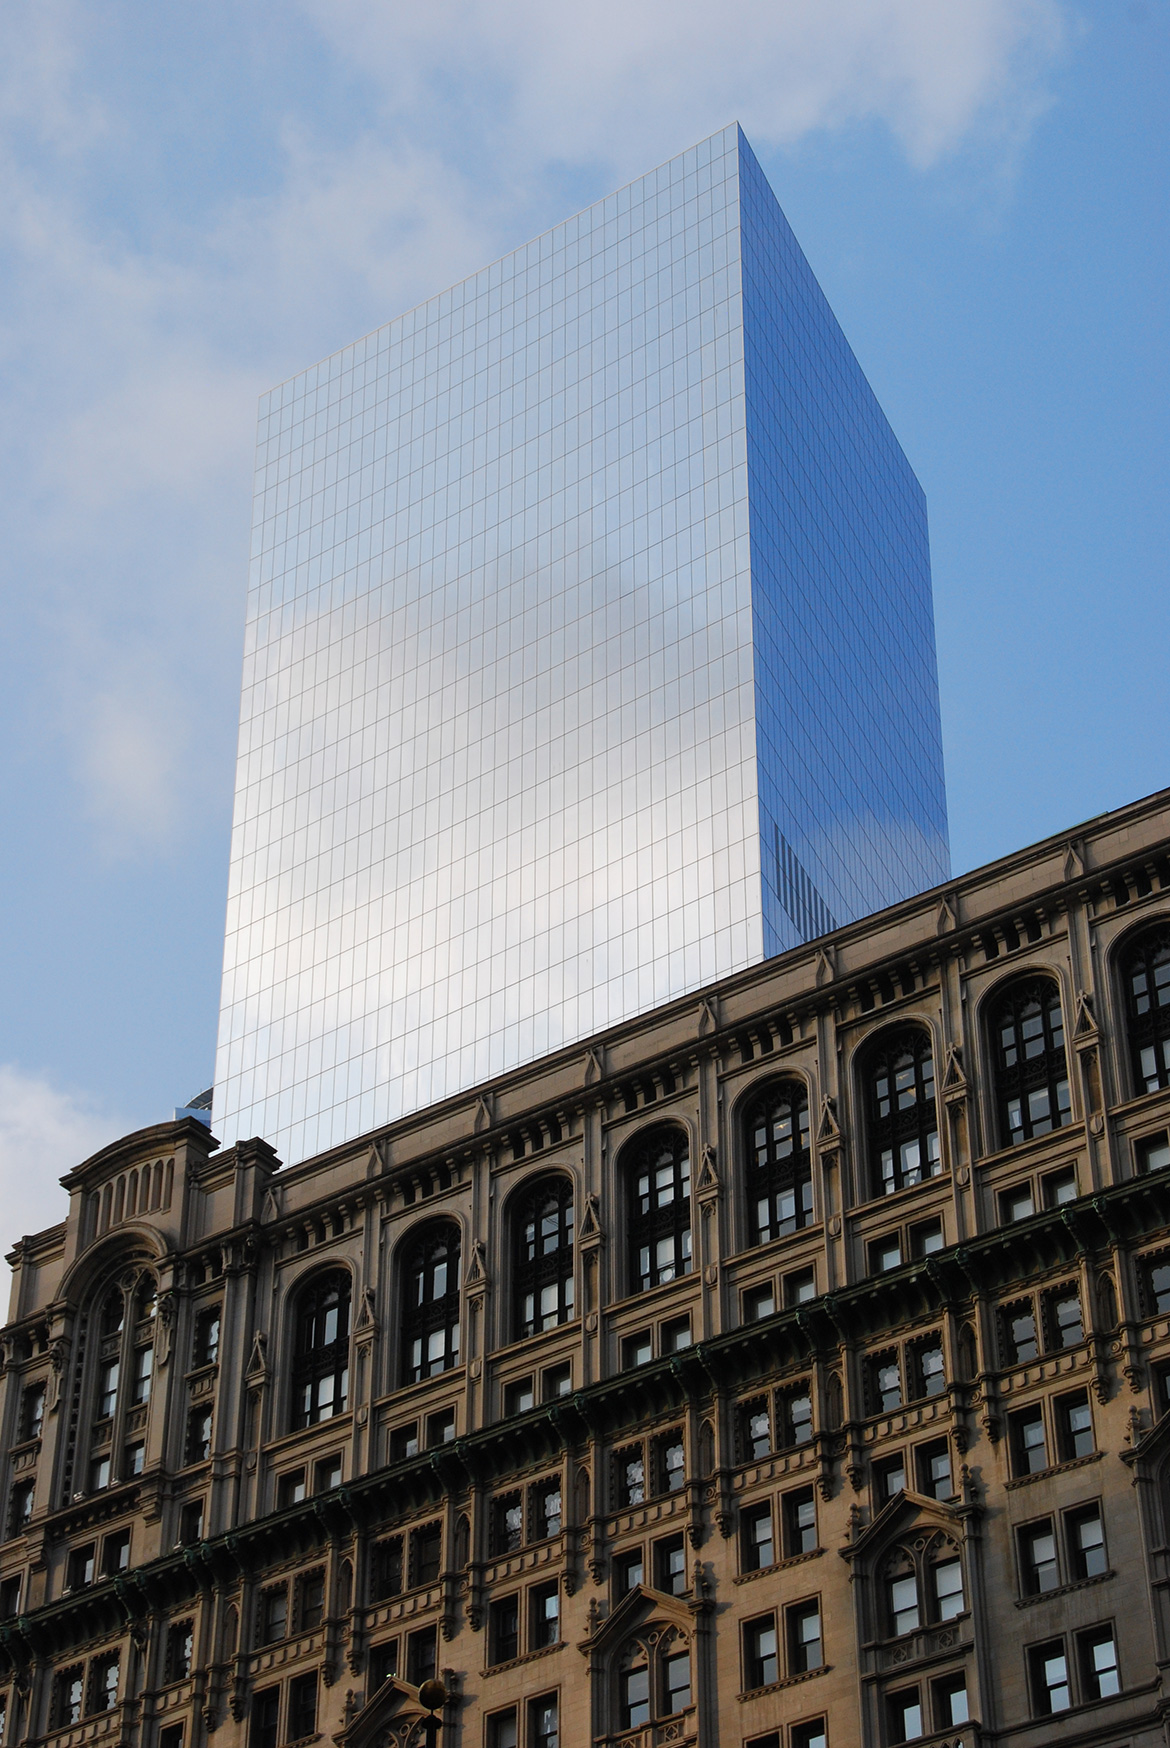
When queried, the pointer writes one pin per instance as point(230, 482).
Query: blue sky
point(197, 201)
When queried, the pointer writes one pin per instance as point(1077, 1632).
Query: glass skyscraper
point(590, 657)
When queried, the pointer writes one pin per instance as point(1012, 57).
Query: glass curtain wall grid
point(589, 659)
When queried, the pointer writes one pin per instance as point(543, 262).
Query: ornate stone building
point(786, 1368)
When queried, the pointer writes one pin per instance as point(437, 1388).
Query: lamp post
point(433, 1695)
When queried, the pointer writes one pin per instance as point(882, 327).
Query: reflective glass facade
point(589, 658)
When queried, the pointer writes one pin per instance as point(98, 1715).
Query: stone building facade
point(785, 1368)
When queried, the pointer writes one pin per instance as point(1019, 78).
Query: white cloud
point(622, 78)
point(134, 346)
point(43, 1134)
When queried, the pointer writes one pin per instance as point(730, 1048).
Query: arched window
point(1145, 969)
point(321, 1349)
point(543, 1257)
point(430, 1303)
point(658, 1199)
point(779, 1164)
point(118, 1392)
point(902, 1118)
point(1031, 1074)
point(654, 1680)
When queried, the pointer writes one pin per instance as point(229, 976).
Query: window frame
point(320, 1362)
point(425, 1313)
point(786, 1167)
point(536, 1270)
point(891, 1132)
point(1018, 1080)
point(664, 1148)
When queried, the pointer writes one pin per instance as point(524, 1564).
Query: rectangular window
point(1048, 1676)
point(205, 1350)
point(1100, 1675)
point(103, 1683)
point(291, 1489)
point(757, 1546)
point(904, 1715)
point(670, 1566)
point(885, 1254)
point(107, 1390)
point(310, 1600)
point(1039, 1570)
point(421, 1656)
point(32, 1412)
point(519, 1396)
point(1017, 1333)
point(794, 1422)
point(191, 1523)
point(426, 1554)
point(386, 1573)
point(889, 1477)
point(800, 1287)
point(677, 1682)
point(99, 1474)
point(81, 1566)
point(675, 1336)
point(637, 1350)
point(758, 1303)
point(546, 1510)
point(927, 1371)
point(1059, 1187)
point(1152, 1153)
point(265, 1722)
point(507, 1523)
point(440, 1428)
point(1029, 1447)
point(383, 1663)
point(635, 1690)
point(272, 1615)
point(1016, 1205)
point(800, 1521)
point(902, 1605)
point(755, 1430)
point(761, 1655)
point(950, 1701)
point(1086, 1542)
point(630, 1476)
point(934, 1470)
point(670, 1463)
point(68, 1696)
point(143, 1373)
point(1074, 1426)
point(198, 1435)
point(1062, 1319)
point(885, 1383)
point(504, 1629)
point(812, 1734)
point(948, 1589)
point(133, 1460)
point(544, 1722)
point(805, 1650)
point(544, 1619)
point(9, 1598)
point(178, 1651)
point(1156, 1285)
point(327, 1475)
point(404, 1442)
point(302, 1706)
point(116, 1553)
point(927, 1238)
point(555, 1382)
point(629, 1571)
point(171, 1736)
point(502, 1729)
